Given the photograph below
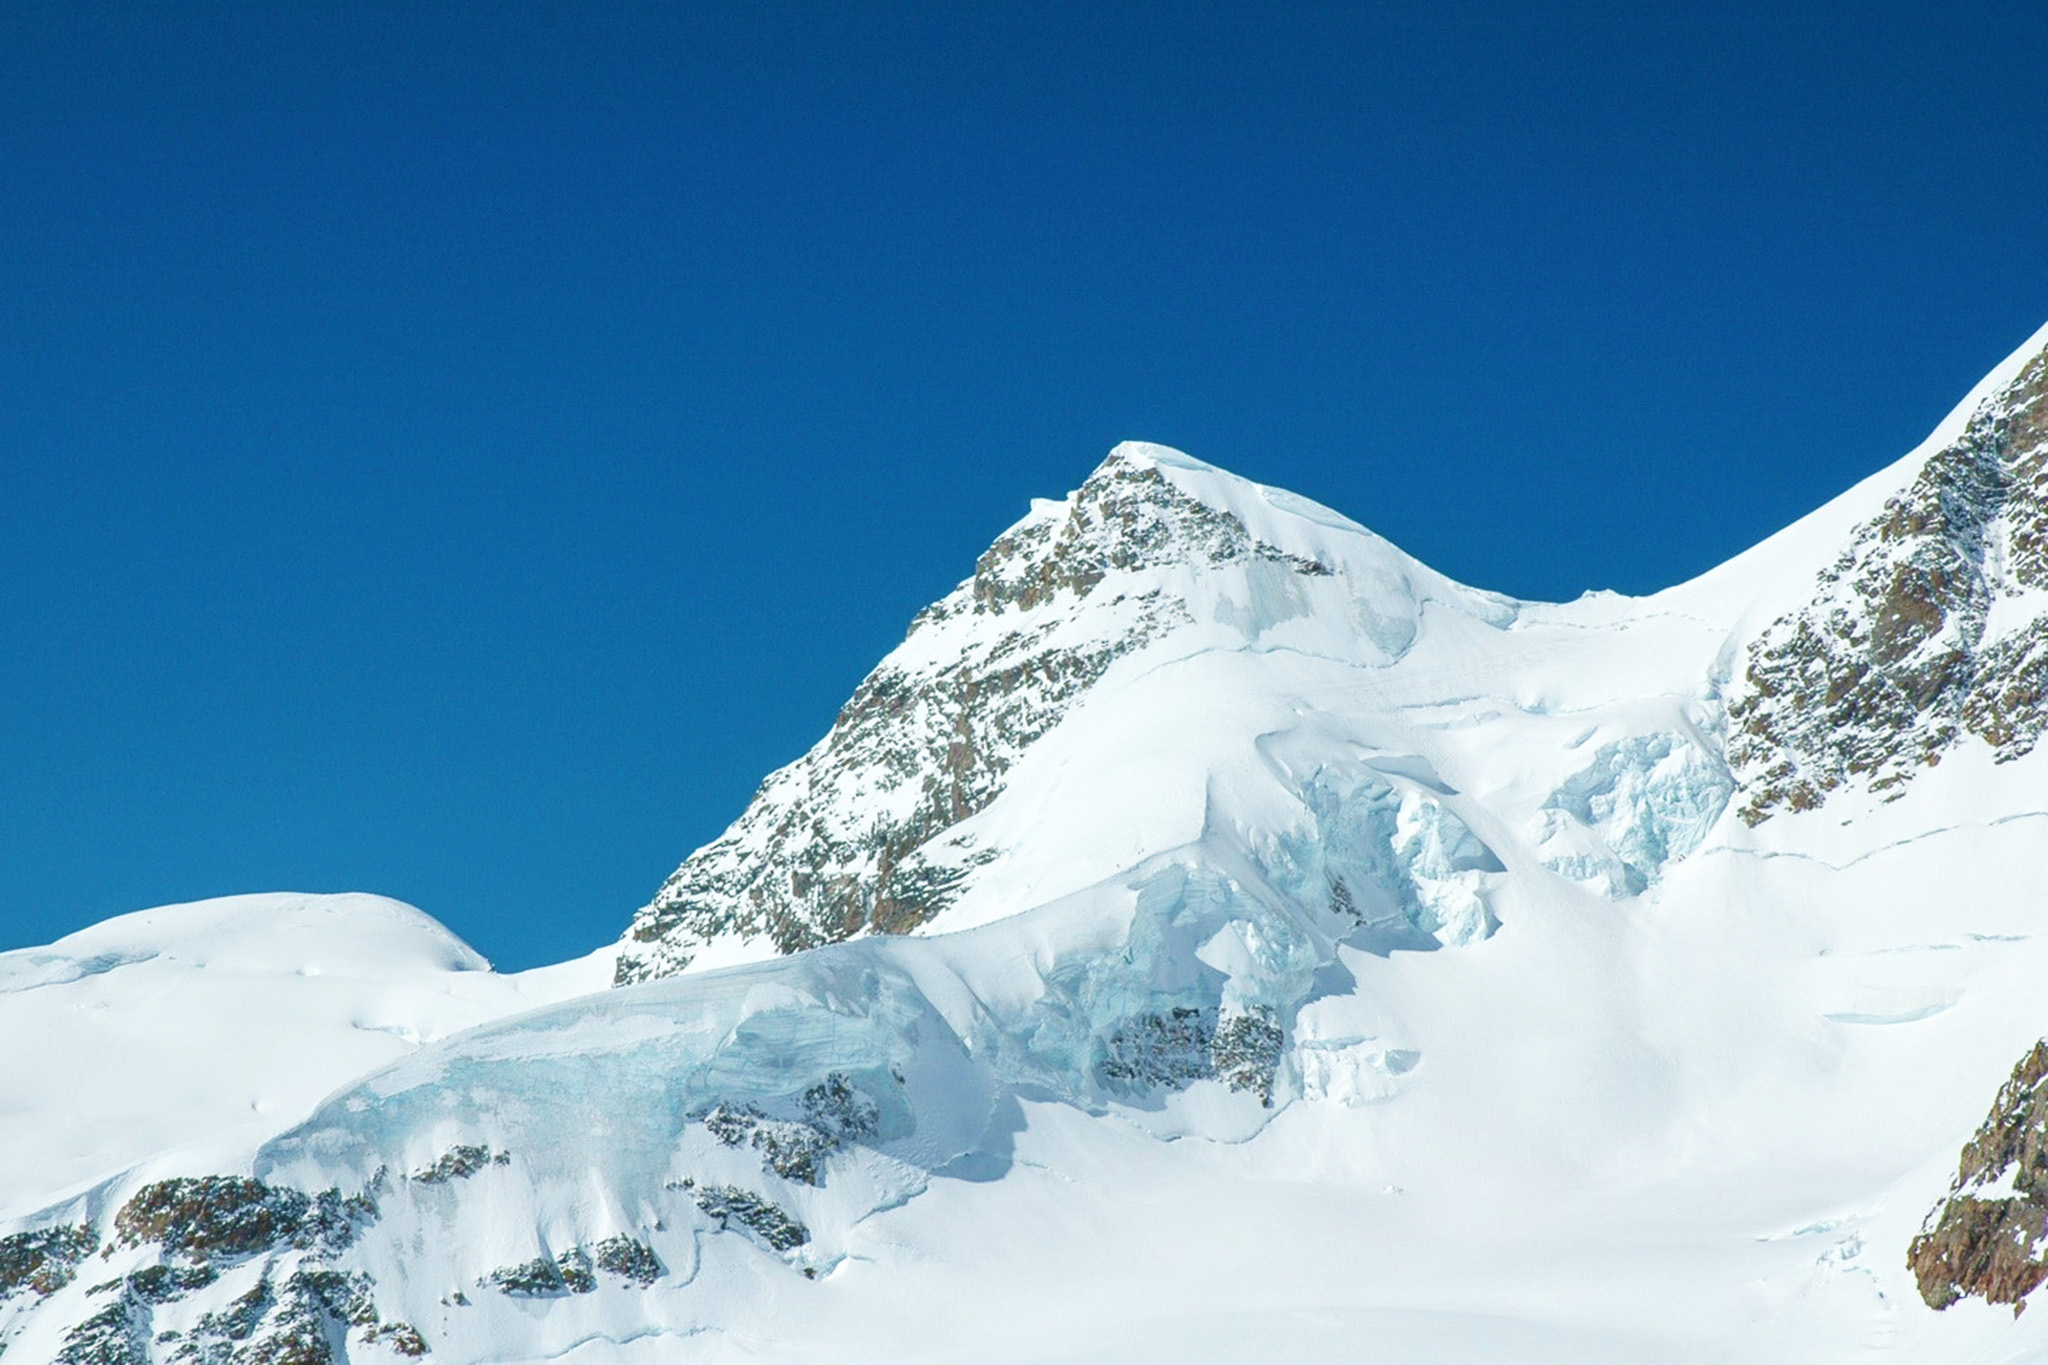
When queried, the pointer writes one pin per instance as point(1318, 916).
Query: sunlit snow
point(1367, 967)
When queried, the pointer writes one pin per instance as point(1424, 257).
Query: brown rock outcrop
point(1994, 1246)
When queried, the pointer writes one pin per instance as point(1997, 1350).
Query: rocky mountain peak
point(851, 838)
point(1128, 515)
point(1929, 626)
point(1389, 908)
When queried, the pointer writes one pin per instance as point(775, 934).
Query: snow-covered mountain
point(1212, 933)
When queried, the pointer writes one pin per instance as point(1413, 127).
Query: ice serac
point(1930, 626)
point(1156, 555)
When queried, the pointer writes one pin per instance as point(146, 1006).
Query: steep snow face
point(1154, 559)
point(166, 1026)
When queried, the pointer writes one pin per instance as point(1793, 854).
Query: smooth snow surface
point(1565, 1062)
point(171, 1025)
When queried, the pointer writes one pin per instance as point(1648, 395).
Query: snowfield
point(1302, 955)
point(168, 1026)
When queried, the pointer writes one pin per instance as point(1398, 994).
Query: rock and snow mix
point(1210, 932)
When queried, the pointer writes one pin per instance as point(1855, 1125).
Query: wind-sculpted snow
point(781, 1104)
point(633, 1073)
point(162, 1026)
point(897, 1048)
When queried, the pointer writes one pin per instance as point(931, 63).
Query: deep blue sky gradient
point(457, 450)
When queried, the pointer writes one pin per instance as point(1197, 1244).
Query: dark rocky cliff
point(1989, 1238)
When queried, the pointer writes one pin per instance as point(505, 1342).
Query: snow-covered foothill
point(162, 1027)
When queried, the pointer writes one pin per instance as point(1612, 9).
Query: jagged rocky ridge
point(1930, 626)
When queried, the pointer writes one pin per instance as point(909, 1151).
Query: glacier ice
point(1641, 802)
point(1390, 853)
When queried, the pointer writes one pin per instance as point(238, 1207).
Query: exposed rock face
point(546, 1276)
point(238, 1270)
point(1925, 630)
point(1172, 1050)
point(729, 1204)
point(44, 1259)
point(834, 1114)
point(1989, 1238)
point(228, 1216)
point(460, 1163)
point(299, 1310)
point(851, 838)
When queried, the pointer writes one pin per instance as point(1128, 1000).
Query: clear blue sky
point(456, 450)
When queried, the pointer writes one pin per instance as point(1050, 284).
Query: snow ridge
point(1931, 624)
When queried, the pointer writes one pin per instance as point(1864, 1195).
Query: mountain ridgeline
point(1210, 931)
point(1916, 632)
point(1907, 646)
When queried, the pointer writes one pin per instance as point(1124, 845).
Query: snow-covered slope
point(1213, 934)
point(1135, 620)
point(167, 1026)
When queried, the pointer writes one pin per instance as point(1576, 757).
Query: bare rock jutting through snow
point(1932, 625)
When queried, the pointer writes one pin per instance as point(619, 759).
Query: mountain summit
point(1156, 557)
point(1210, 934)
